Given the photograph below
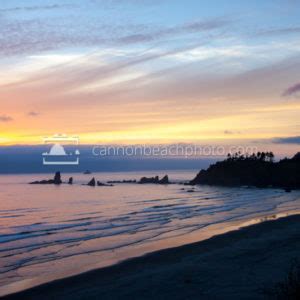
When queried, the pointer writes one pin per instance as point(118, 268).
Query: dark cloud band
point(287, 140)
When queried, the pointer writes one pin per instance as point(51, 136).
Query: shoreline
point(109, 282)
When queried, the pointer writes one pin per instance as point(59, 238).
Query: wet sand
point(235, 265)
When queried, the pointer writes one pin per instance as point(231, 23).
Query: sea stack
point(92, 182)
point(57, 178)
point(164, 180)
point(144, 180)
point(155, 180)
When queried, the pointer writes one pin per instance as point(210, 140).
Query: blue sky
point(101, 22)
point(130, 71)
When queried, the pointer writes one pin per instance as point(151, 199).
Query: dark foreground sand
point(236, 265)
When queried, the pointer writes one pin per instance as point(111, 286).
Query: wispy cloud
point(5, 118)
point(117, 3)
point(33, 114)
point(35, 34)
point(292, 90)
point(87, 69)
point(191, 27)
point(231, 132)
point(34, 8)
point(280, 31)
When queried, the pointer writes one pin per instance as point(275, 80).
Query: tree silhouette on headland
point(258, 169)
point(259, 156)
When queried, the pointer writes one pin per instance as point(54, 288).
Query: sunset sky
point(150, 71)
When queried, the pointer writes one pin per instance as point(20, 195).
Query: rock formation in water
point(92, 182)
point(144, 180)
point(55, 180)
point(99, 183)
point(164, 180)
point(155, 180)
point(123, 181)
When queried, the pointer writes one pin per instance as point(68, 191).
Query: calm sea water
point(48, 232)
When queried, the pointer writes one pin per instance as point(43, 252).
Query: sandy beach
point(236, 265)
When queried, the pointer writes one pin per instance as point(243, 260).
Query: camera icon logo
point(57, 154)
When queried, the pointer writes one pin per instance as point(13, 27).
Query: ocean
point(49, 232)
